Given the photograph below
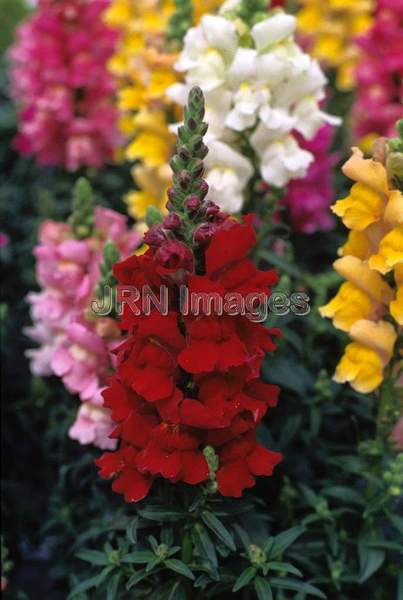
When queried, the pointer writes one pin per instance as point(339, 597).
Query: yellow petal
point(394, 208)
point(358, 272)
point(396, 306)
point(361, 367)
point(348, 306)
point(390, 252)
point(358, 244)
point(366, 171)
point(361, 208)
point(380, 337)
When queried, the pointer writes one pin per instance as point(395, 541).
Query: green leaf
point(92, 556)
point(284, 539)
point(113, 585)
point(244, 579)
point(344, 493)
point(177, 592)
point(138, 558)
point(153, 563)
point(83, 586)
point(263, 589)
point(218, 528)
point(136, 578)
point(204, 544)
point(371, 560)
point(283, 566)
point(179, 567)
point(131, 530)
point(243, 536)
point(286, 583)
point(157, 513)
point(279, 262)
point(397, 522)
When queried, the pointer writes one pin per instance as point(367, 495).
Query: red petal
point(233, 478)
point(155, 460)
point(134, 485)
point(110, 464)
point(194, 468)
point(262, 461)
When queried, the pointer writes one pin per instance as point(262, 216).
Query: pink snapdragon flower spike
point(62, 87)
point(75, 344)
point(308, 199)
point(380, 74)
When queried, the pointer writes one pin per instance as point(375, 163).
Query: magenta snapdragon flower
point(380, 73)
point(61, 85)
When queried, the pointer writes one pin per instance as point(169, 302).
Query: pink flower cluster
point(308, 199)
point(61, 85)
point(380, 73)
point(75, 344)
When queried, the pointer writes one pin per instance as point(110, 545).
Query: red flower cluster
point(184, 383)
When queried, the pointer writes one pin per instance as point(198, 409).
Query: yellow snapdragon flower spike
point(369, 305)
point(143, 67)
point(331, 26)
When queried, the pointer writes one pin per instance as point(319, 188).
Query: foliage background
point(332, 480)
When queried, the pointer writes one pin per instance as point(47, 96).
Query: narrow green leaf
point(136, 578)
point(286, 583)
point(277, 261)
point(204, 544)
point(218, 528)
point(243, 536)
point(153, 563)
point(284, 539)
point(397, 522)
point(344, 493)
point(371, 560)
point(177, 592)
point(284, 566)
point(138, 558)
point(131, 530)
point(83, 586)
point(244, 579)
point(263, 589)
point(179, 567)
point(92, 556)
point(113, 585)
point(158, 513)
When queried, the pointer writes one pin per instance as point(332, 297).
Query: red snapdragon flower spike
point(189, 379)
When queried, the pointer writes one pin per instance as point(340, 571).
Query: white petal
point(243, 67)
point(220, 34)
point(272, 30)
point(178, 92)
point(240, 121)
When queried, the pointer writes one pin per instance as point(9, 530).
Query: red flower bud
point(172, 222)
point(212, 209)
point(174, 255)
point(192, 203)
point(155, 236)
point(171, 194)
point(204, 233)
point(204, 188)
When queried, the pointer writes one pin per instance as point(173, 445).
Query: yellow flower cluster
point(143, 66)
point(369, 305)
point(331, 26)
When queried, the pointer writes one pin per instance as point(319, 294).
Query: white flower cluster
point(258, 84)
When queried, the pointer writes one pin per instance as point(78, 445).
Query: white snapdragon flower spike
point(258, 83)
point(228, 173)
